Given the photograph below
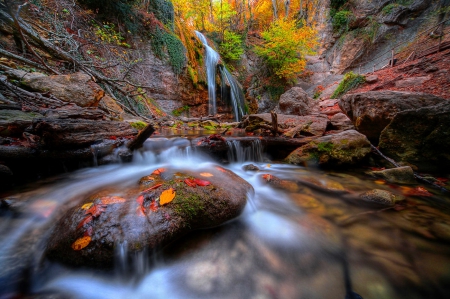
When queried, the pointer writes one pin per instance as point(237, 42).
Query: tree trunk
point(286, 8)
point(275, 11)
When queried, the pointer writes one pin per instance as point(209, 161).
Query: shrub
point(350, 81)
point(341, 20)
point(231, 47)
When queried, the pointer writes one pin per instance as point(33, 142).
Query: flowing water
point(235, 95)
point(302, 241)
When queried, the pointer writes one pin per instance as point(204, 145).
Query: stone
point(399, 175)
point(371, 79)
point(372, 111)
point(109, 104)
point(420, 137)
point(382, 197)
point(295, 101)
point(340, 121)
point(317, 124)
point(78, 88)
point(413, 81)
point(250, 167)
point(14, 122)
point(348, 147)
point(136, 218)
point(431, 69)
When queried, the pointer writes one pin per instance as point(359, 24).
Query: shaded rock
point(75, 88)
point(420, 137)
point(109, 104)
point(14, 122)
point(295, 101)
point(431, 69)
point(76, 133)
point(250, 167)
point(441, 230)
point(348, 147)
point(5, 171)
point(414, 81)
point(137, 219)
point(372, 79)
point(399, 175)
point(340, 121)
point(372, 111)
point(381, 197)
point(317, 124)
point(74, 112)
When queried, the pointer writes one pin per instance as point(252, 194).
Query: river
point(309, 241)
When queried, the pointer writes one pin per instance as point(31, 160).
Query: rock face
point(372, 111)
point(139, 219)
point(295, 101)
point(420, 137)
point(348, 147)
point(75, 88)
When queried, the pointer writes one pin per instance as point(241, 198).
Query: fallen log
point(139, 140)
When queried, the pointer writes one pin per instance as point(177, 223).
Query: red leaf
point(153, 206)
point(190, 182)
point(96, 210)
point(140, 200)
point(85, 221)
point(202, 182)
point(113, 137)
point(159, 171)
point(152, 187)
point(267, 177)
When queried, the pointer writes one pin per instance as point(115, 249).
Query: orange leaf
point(419, 191)
point(81, 243)
point(152, 187)
point(220, 169)
point(206, 174)
point(108, 200)
point(380, 182)
point(159, 171)
point(202, 182)
point(85, 221)
point(140, 200)
point(267, 177)
point(167, 196)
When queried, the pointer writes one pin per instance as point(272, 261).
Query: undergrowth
point(351, 80)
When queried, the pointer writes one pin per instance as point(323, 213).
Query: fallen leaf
point(152, 187)
point(159, 171)
point(206, 174)
point(96, 210)
point(419, 191)
point(380, 182)
point(220, 169)
point(166, 196)
point(190, 182)
point(202, 182)
point(109, 200)
point(140, 200)
point(81, 243)
point(377, 168)
point(267, 177)
point(85, 221)
point(268, 165)
point(153, 206)
point(86, 206)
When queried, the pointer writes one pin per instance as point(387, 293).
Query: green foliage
point(336, 6)
point(350, 81)
point(326, 147)
point(163, 11)
point(162, 42)
point(341, 20)
point(107, 33)
point(179, 111)
point(138, 125)
point(275, 91)
point(231, 48)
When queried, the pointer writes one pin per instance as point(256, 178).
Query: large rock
point(372, 111)
point(316, 125)
point(296, 101)
point(59, 133)
point(420, 137)
point(78, 88)
point(14, 122)
point(348, 147)
point(137, 219)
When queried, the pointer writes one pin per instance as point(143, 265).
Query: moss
point(138, 125)
point(187, 204)
point(326, 147)
point(351, 80)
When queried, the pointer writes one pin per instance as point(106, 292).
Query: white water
point(278, 248)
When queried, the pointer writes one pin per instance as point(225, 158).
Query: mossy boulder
point(141, 217)
point(348, 147)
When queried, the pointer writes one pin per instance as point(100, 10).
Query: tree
point(285, 47)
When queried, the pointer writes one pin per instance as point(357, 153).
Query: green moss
point(138, 125)
point(351, 80)
point(179, 111)
point(188, 205)
point(326, 147)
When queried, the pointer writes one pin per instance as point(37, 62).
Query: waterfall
point(250, 150)
point(236, 96)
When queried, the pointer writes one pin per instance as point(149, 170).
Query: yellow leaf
point(268, 165)
point(87, 206)
point(166, 196)
point(206, 174)
point(81, 243)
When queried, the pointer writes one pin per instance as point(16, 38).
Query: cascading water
point(251, 151)
point(236, 96)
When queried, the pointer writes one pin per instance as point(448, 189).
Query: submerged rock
point(146, 216)
point(399, 175)
point(381, 197)
point(348, 147)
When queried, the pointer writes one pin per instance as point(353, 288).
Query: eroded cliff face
point(369, 30)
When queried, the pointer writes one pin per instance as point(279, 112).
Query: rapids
point(291, 243)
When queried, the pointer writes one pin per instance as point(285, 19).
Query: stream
point(307, 242)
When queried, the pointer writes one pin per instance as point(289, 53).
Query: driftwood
point(297, 130)
point(139, 140)
point(274, 123)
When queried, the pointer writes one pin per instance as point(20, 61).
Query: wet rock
point(138, 219)
point(420, 137)
point(381, 197)
point(348, 147)
point(372, 79)
point(250, 167)
point(14, 122)
point(399, 175)
point(340, 121)
point(295, 101)
point(372, 111)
